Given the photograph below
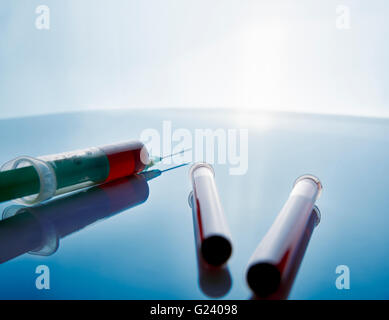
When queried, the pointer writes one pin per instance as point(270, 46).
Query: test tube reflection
point(215, 282)
point(275, 262)
point(38, 229)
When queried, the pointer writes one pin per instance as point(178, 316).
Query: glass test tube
point(214, 282)
point(276, 254)
point(212, 232)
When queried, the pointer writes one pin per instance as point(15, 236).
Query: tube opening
point(198, 165)
point(314, 179)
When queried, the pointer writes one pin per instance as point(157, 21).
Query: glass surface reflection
point(38, 229)
point(155, 256)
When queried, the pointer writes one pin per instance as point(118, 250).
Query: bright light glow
point(258, 69)
point(257, 121)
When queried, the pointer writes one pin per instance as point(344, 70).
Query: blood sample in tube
point(214, 240)
point(214, 282)
point(278, 251)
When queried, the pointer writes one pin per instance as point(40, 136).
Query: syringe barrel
point(125, 159)
point(212, 232)
point(277, 250)
point(46, 176)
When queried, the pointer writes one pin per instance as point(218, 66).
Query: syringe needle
point(176, 153)
point(156, 159)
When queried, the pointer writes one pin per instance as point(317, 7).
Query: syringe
point(33, 180)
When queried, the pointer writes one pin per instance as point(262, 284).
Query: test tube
point(212, 232)
point(280, 249)
point(214, 282)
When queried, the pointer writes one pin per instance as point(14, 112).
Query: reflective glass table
point(134, 239)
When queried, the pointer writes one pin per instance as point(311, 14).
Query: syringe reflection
point(38, 229)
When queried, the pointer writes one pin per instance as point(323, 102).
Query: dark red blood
point(124, 159)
